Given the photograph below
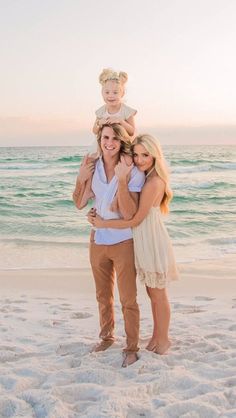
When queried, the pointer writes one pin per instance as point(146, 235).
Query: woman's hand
point(91, 215)
point(122, 170)
point(86, 169)
point(95, 219)
point(98, 222)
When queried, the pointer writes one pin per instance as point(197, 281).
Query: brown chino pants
point(105, 261)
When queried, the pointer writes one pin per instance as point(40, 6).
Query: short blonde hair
point(110, 74)
point(153, 147)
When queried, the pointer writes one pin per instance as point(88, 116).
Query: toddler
point(113, 111)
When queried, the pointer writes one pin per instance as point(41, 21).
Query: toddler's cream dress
point(154, 256)
point(123, 113)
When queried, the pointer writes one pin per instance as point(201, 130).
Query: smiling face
point(112, 93)
point(142, 159)
point(110, 144)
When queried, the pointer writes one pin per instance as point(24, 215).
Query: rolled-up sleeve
point(137, 180)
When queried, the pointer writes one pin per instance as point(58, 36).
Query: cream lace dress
point(154, 256)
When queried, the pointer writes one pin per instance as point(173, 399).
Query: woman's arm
point(127, 201)
point(152, 193)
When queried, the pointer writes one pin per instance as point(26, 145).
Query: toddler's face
point(112, 93)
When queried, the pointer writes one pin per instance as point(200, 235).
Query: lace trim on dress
point(153, 279)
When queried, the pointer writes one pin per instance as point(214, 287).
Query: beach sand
point(49, 324)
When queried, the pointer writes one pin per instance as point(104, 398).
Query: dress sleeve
point(100, 112)
point(128, 111)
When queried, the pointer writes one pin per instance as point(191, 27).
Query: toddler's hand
point(113, 119)
point(102, 121)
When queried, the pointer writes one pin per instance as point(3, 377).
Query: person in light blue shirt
point(111, 250)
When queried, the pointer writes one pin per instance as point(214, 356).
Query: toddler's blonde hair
point(109, 74)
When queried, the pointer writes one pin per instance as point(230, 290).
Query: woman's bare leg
point(152, 342)
point(161, 320)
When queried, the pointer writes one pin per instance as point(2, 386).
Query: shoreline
point(217, 277)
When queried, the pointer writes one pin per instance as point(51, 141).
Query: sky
point(179, 56)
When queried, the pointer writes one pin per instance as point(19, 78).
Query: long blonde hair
point(153, 147)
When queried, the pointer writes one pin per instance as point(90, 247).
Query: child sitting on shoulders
point(113, 111)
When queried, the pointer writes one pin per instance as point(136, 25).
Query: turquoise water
point(41, 228)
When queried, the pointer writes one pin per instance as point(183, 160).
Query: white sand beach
point(49, 324)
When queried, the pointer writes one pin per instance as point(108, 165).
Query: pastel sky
point(179, 55)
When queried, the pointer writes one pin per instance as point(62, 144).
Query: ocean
point(41, 228)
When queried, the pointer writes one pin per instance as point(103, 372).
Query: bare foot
point(102, 346)
point(129, 358)
point(162, 348)
point(152, 344)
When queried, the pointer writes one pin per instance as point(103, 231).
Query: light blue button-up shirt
point(104, 195)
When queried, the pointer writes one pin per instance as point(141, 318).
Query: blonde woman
point(154, 257)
